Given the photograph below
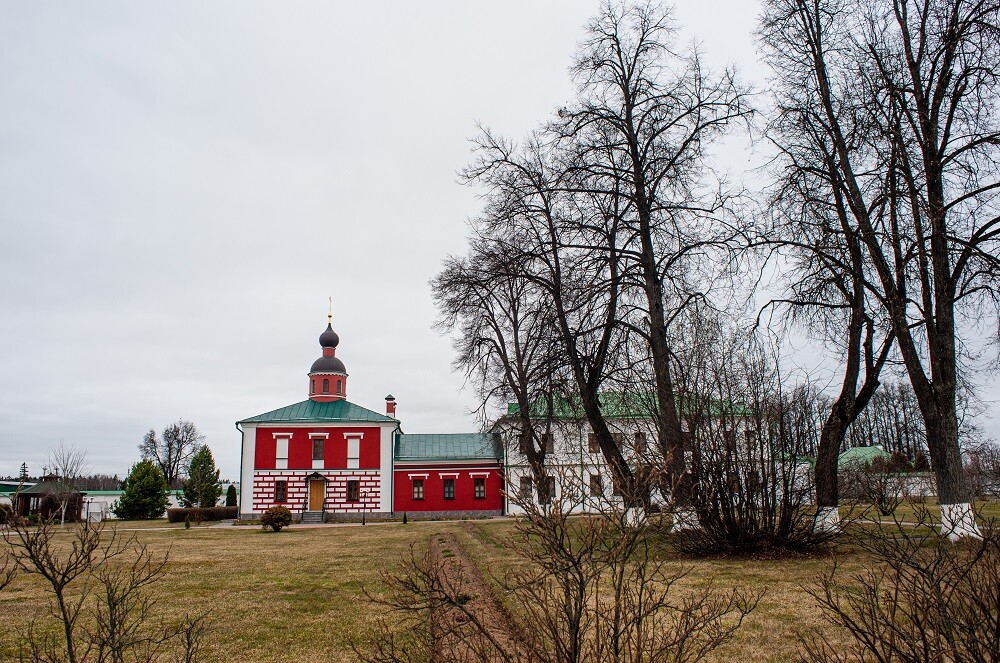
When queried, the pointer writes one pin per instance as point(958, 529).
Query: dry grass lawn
point(300, 595)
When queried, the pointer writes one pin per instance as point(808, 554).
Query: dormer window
point(326, 386)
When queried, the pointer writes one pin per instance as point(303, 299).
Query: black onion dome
point(329, 338)
point(328, 365)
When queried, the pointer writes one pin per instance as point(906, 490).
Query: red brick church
point(326, 458)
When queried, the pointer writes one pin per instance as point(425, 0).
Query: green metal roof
point(623, 405)
point(315, 411)
point(446, 446)
point(860, 456)
point(47, 488)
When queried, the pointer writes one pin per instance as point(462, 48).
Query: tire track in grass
point(464, 579)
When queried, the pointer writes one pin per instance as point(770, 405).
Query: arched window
point(340, 387)
point(313, 387)
point(326, 386)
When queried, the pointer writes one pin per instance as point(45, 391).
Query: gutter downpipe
point(240, 499)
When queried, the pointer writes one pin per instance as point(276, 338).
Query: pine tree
point(145, 493)
point(24, 472)
point(202, 487)
point(231, 495)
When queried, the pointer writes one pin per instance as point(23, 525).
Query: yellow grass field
point(299, 595)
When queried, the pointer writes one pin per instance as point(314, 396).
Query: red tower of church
point(328, 375)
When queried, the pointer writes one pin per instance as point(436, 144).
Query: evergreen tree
point(231, 495)
point(145, 493)
point(202, 487)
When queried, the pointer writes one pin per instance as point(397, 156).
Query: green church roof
point(446, 446)
point(315, 411)
point(625, 405)
point(860, 456)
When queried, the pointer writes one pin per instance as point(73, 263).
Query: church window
point(640, 442)
point(280, 491)
point(353, 490)
point(418, 489)
point(281, 453)
point(596, 485)
point(340, 387)
point(353, 452)
point(549, 443)
point(525, 488)
point(547, 491)
point(313, 389)
point(326, 386)
point(479, 486)
point(592, 446)
point(449, 489)
point(317, 448)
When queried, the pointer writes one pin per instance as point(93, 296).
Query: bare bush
point(921, 598)
point(100, 586)
point(581, 588)
point(750, 436)
point(875, 483)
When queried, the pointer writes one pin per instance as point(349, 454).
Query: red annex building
point(326, 458)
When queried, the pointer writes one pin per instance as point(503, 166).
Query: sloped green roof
point(314, 411)
point(446, 446)
point(621, 405)
point(47, 488)
point(860, 456)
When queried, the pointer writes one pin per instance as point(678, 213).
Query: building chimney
point(390, 406)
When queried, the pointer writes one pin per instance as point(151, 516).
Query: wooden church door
point(317, 491)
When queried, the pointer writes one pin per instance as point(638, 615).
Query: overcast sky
point(183, 184)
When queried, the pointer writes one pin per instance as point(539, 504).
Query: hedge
point(198, 514)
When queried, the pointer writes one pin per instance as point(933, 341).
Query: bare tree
point(903, 93)
point(172, 451)
point(892, 421)
point(825, 274)
point(68, 463)
point(566, 246)
point(639, 129)
point(506, 342)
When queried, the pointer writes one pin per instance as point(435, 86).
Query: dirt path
point(466, 577)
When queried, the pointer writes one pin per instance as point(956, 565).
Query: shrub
point(197, 514)
point(276, 517)
point(920, 463)
point(875, 483)
point(749, 484)
point(921, 598)
point(583, 589)
point(6, 513)
point(145, 493)
point(231, 495)
point(102, 599)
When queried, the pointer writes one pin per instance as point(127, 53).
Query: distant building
point(48, 499)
